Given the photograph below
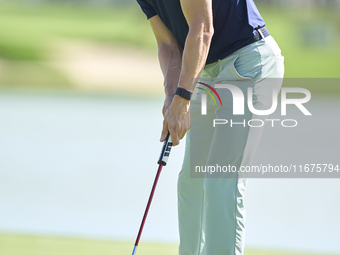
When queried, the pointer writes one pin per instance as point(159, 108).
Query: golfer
point(217, 42)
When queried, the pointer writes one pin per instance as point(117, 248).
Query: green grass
point(32, 74)
point(293, 30)
point(26, 32)
point(309, 39)
point(35, 245)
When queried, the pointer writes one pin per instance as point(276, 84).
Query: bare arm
point(170, 58)
point(198, 14)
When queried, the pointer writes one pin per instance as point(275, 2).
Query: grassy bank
point(27, 31)
point(34, 245)
point(309, 38)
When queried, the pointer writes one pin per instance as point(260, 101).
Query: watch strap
point(183, 93)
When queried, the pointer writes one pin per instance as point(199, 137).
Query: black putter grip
point(165, 151)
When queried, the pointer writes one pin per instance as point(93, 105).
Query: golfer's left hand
point(176, 120)
point(167, 103)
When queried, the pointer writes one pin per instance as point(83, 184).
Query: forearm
point(194, 56)
point(170, 59)
point(180, 69)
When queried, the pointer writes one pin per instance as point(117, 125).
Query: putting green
point(38, 245)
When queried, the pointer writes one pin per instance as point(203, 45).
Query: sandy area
point(93, 66)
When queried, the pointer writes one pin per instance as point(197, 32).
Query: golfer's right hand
point(176, 120)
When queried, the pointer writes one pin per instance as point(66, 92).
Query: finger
point(174, 136)
point(165, 131)
point(185, 129)
point(182, 134)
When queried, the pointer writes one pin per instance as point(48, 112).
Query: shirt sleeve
point(147, 8)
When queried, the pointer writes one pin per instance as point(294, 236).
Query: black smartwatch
point(183, 93)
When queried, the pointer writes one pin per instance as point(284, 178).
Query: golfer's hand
point(176, 120)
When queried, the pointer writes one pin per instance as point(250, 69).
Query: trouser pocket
point(248, 64)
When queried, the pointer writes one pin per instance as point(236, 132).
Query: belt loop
point(260, 32)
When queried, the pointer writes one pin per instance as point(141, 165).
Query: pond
point(83, 165)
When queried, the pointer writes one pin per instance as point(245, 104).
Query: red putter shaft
point(149, 203)
point(162, 162)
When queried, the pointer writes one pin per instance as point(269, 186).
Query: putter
point(161, 162)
